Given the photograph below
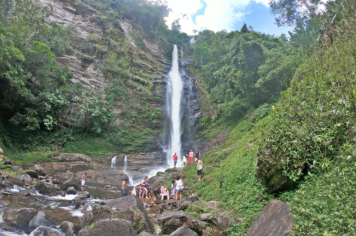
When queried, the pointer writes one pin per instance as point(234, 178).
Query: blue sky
point(218, 15)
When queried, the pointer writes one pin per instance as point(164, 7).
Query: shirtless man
point(84, 178)
point(123, 188)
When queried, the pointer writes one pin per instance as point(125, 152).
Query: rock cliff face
point(86, 69)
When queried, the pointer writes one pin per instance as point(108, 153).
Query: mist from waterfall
point(173, 103)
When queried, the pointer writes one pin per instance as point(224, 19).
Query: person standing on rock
point(179, 188)
point(124, 188)
point(175, 159)
point(197, 154)
point(191, 155)
point(84, 178)
point(145, 185)
point(200, 166)
point(173, 188)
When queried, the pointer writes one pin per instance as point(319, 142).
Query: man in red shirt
point(175, 158)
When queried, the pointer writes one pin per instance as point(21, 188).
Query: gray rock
point(69, 157)
point(19, 218)
point(184, 231)
point(205, 217)
point(110, 228)
point(87, 208)
point(46, 188)
point(24, 193)
point(184, 205)
point(8, 161)
point(16, 168)
point(24, 177)
point(71, 190)
point(129, 208)
point(274, 220)
point(62, 193)
point(173, 220)
point(192, 198)
point(45, 231)
point(223, 222)
point(147, 234)
point(67, 227)
point(39, 220)
point(69, 179)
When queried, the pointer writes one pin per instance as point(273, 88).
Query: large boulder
point(157, 181)
point(39, 220)
point(129, 208)
point(69, 179)
point(36, 171)
point(45, 231)
point(19, 218)
point(182, 205)
point(171, 221)
point(67, 227)
point(223, 222)
point(274, 220)
point(71, 190)
point(24, 177)
point(46, 188)
point(184, 231)
point(69, 157)
point(8, 161)
point(109, 228)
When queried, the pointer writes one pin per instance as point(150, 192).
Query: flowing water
point(173, 103)
point(113, 162)
point(131, 182)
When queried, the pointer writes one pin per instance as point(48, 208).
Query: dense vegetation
point(41, 108)
point(302, 152)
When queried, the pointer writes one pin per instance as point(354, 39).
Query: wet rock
point(223, 222)
point(39, 220)
point(8, 161)
point(62, 193)
point(69, 179)
point(184, 231)
point(129, 208)
point(182, 205)
point(84, 195)
point(274, 220)
point(171, 202)
point(45, 188)
point(45, 231)
point(64, 204)
point(173, 220)
point(110, 228)
point(69, 157)
point(107, 187)
point(23, 177)
point(205, 217)
point(67, 227)
point(71, 190)
point(24, 193)
point(86, 208)
point(113, 188)
point(19, 218)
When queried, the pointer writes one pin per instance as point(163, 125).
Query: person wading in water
point(84, 178)
point(123, 188)
point(175, 158)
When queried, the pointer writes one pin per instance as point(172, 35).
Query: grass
point(90, 227)
point(230, 174)
point(93, 147)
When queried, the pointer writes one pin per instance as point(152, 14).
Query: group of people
point(177, 185)
point(191, 156)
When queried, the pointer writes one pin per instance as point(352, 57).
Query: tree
point(244, 29)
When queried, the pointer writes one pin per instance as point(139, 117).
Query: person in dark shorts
point(175, 159)
point(200, 166)
point(124, 188)
point(197, 154)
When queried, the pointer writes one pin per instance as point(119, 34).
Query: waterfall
point(173, 106)
point(113, 162)
point(128, 175)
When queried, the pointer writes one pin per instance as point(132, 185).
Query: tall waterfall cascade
point(173, 103)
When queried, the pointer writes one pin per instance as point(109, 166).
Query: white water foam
point(67, 197)
point(131, 182)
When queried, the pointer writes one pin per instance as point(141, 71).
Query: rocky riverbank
point(45, 199)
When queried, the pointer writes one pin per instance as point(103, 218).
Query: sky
point(220, 15)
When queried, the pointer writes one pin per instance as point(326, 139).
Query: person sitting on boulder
point(123, 188)
point(151, 196)
point(164, 192)
point(84, 177)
